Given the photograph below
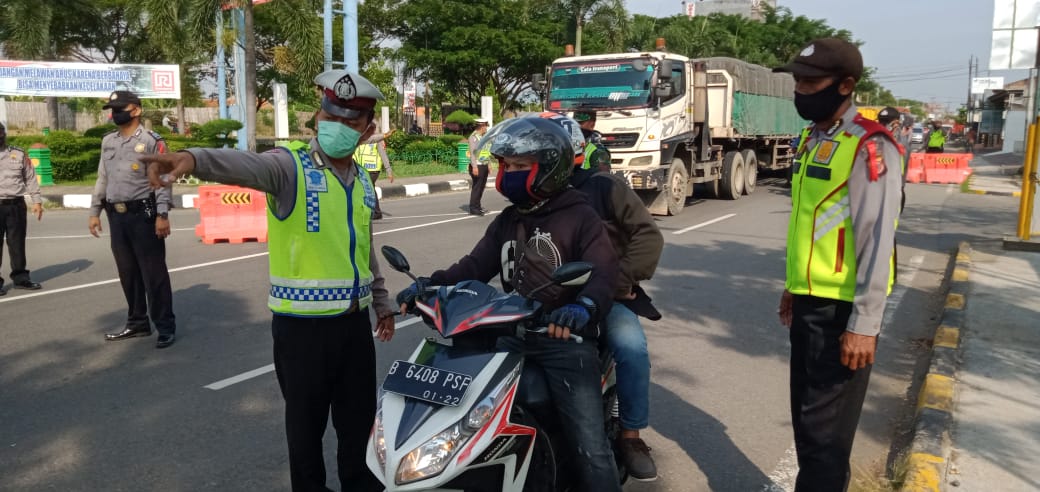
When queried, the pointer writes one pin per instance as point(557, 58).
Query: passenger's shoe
point(164, 341)
point(27, 285)
point(635, 454)
point(128, 333)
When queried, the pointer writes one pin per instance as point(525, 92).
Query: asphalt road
point(79, 413)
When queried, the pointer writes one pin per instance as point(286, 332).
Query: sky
point(920, 48)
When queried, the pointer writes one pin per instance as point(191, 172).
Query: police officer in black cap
point(138, 221)
point(320, 234)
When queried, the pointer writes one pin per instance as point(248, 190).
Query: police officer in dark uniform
point(17, 179)
point(138, 220)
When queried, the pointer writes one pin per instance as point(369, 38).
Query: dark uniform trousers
point(13, 213)
point(826, 397)
point(322, 364)
point(141, 260)
point(479, 183)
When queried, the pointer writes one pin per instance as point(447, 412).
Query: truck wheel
point(750, 171)
point(678, 179)
point(732, 185)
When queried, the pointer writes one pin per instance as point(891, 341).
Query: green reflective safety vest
point(368, 156)
point(821, 247)
point(484, 156)
point(319, 254)
point(590, 148)
point(936, 139)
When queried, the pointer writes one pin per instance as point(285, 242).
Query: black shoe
point(164, 341)
point(27, 285)
point(636, 456)
point(477, 211)
point(128, 333)
point(377, 216)
point(2, 291)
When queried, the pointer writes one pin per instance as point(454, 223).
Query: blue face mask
point(336, 139)
point(514, 187)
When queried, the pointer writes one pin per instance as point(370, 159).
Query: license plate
point(426, 383)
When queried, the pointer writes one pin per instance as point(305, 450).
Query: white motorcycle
point(462, 415)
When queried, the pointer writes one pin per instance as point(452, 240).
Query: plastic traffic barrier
point(231, 214)
point(946, 168)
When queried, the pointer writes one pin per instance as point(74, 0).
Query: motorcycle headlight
point(379, 442)
point(431, 457)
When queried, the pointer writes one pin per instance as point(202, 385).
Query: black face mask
point(121, 118)
point(821, 105)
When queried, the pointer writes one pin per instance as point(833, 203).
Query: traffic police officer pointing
point(17, 179)
point(138, 219)
point(324, 275)
point(845, 191)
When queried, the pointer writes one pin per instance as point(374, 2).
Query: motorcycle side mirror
point(396, 259)
point(572, 274)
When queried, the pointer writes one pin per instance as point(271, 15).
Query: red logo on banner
point(164, 81)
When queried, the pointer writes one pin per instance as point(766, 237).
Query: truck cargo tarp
point(763, 101)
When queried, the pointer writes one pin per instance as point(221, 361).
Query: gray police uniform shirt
point(17, 176)
point(874, 206)
point(122, 177)
point(474, 153)
point(274, 172)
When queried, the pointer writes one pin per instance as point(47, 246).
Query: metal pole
point(327, 30)
point(350, 35)
point(221, 61)
point(1023, 206)
point(240, 78)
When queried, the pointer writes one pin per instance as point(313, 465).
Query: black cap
point(826, 57)
point(583, 116)
point(120, 99)
point(887, 115)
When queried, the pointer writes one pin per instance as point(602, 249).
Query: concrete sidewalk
point(977, 425)
point(184, 195)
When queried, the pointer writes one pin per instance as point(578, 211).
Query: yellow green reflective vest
point(589, 149)
point(936, 138)
point(484, 156)
point(368, 156)
point(319, 254)
point(821, 247)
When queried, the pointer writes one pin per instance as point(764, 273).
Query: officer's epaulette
point(113, 132)
point(155, 135)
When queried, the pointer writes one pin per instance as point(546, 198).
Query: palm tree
point(583, 9)
point(29, 30)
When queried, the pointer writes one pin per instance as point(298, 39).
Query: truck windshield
point(610, 84)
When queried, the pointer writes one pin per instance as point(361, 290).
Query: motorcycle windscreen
point(450, 360)
point(472, 304)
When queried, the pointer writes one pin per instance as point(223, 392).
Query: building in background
point(747, 8)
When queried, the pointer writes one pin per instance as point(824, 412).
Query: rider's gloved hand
point(406, 298)
point(572, 316)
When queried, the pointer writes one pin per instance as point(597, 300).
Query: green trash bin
point(463, 157)
point(40, 157)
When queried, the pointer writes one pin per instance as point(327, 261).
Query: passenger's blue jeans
point(627, 340)
point(572, 373)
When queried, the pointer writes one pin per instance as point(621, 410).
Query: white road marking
point(423, 216)
point(260, 371)
point(417, 189)
point(83, 236)
point(702, 224)
point(783, 476)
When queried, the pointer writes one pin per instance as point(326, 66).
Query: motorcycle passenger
point(545, 227)
point(638, 244)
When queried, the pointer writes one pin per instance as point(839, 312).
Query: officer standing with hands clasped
point(138, 219)
point(845, 192)
point(372, 156)
point(17, 178)
point(478, 168)
point(324, 275)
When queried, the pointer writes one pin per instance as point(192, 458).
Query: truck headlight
point(646, 160)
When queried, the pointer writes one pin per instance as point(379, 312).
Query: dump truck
point(671, 122)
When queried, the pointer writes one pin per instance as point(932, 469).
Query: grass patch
point(875, 478)
point(408, 170)
point(87, 180)
point(966, 185)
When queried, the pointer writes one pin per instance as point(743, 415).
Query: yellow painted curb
point(923, 474)
point(946, 336)
point(955, 301)
point(937, 393)
point(960, 274)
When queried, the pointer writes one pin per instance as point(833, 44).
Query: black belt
point(11, 201)
point(133, 206)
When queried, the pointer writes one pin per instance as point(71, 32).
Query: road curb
point(995, 193)
point(927, 461)
point(187, 200)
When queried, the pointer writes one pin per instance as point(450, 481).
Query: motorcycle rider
point(638, 243)
point(544, 228)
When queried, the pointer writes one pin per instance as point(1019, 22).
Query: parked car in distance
point(917, 135)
